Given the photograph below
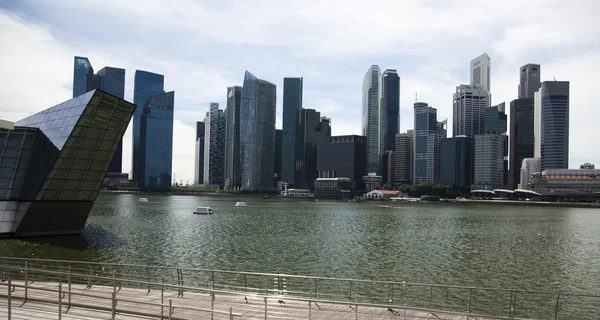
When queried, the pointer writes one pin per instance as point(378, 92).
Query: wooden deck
point(44, 305)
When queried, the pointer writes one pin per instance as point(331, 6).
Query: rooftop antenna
point(554, 78)
point(416, 100)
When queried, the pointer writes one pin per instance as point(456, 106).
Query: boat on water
point(240, 204)
point(143, 200)
point(203, 210)
point(429, 199)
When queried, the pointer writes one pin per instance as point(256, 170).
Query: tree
point(388, 186)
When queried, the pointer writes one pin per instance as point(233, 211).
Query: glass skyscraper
point(428, 134)
point(371, 118)
point(309, 128)
point(257, 132)
point(146, 84)
point(292, 103)
point(391, 107)
point(555, 125)
point(233, 174)
point(156, 142)
point(521, 136)
point(530, 80)
point(214, 148)
point(199, 154)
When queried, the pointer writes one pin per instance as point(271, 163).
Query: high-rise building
point(371, 118)
point(309, 128)
point(530, 80)
point(342, 157)
point(146, 85)
point(481, 72)
point(555, 125)
point(521, 137)
point(233, 169)
point(456, 169)
point(529, 166)
point(403, 158)
point(490, 150)
point(390, 106)
point(428, 134)
point(108, 79)
point(537, 124)
point(257, 132)
point(199, 154)
point(156, 142)
point(468, 111)
point(214, 145)
point(292, 103)
point(277, 161)
point(495, 119)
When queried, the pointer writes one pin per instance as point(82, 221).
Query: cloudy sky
point(204, 46)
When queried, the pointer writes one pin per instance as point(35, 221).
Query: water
point(474, 245)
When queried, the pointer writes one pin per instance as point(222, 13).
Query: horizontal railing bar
point(306, 277)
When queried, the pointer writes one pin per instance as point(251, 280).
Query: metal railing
point(510, 303)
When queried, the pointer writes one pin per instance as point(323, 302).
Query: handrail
point(403, 283)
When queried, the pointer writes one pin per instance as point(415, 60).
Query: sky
point(202, 47)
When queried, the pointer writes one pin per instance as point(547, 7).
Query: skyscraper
point(199, 154)
point(481, 72)
point(468, 112)
point(156, 142)
point(257, 132)
point(292, 103)
point(342, 156)
point(428, 134)
point(277, 157)
point(146, 85)
point(457, 167)
point(108, 79)
point(521, 137)
point(214, 145)
point(233, 173)
point(371, 118)
point(403, 158)
point(309, 128)
point(530, 80)
point(495, 119)
point(390, 105)
point(555, 125)
point(490, 150)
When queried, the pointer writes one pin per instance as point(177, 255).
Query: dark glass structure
point(233, 170)
point(521, 137)
point(530, 75)
point(156, 142)
point(199, 154)
point(277, 176)
point(52, 163)
point(555, 125)
point(257, 132)
point(428, 133)
point(146, 84)
point(495, 119)
point(83, 76)
point(403, 158)
point(308, 129)
point(456, 167)
point(342, 156)
point(292, 103)
point(215, 139)
point(391, 106)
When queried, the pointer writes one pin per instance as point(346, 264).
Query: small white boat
point(203, 210)
point(143, 200)
point(240, 204)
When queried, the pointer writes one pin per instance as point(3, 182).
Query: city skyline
point(332, 73)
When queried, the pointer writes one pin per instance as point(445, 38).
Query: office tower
point(257, 132)
point(156, 142)
point(481, 71)
point(214, 145)
point(555, 125)
point(456, 169)
point(308, 130)
point(53, 164)
point(530, 80)
point(277, 158)
point(233, 169)
point(403, 158)
point(529, 166)
point(387, 167)
point(490, 150)
point(468, 115)
point(146, 85)
point(292, 103)
point(371, 117)
point(495, 119)
point(108, 79)
point(537, 124)
point(521, 137)
point(199, 154)
point(428, 134)
point(390, 106)
point(342, 157)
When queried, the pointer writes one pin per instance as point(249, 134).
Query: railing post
point(350, 295)
point(26, 279)
point(230, 313)
point(114, 281)
point(182, 284)
point(315, 288)
point(212, 280)
point(244, 282)
point(9, 300)
point(309, 309)
point(69, 284)
point(162, 297)
point(212, 304)
point(59, 301)
point(470, 297)
point(148, 278)
point(89, 279)
point(430, 295)
point(265, 308)
point(556, 310)
point(170, 308)
point(356, 312)
point(113, 306)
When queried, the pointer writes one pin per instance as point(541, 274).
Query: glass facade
point(233, 174)
point(308, 130)
point(457, 167)
point(83, 75)
point(428, 134)
point(495, 119)
point(292, 103)
point(257, 132)
point(371, 115)
point(391, 107)
point(156, 142)
point(555, 125)
point(55, 161)
point(199, 154)
point(146, 84)
point(342, 156)
point(521, 137)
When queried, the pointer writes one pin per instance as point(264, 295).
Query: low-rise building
point(566, 180)
point(334, 188)
point(381, 194)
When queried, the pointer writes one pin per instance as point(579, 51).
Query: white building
point(529, 166)
point(481, 71)
point(468, 110)
point(537, 124)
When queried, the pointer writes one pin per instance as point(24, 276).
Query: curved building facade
point(371, 118)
